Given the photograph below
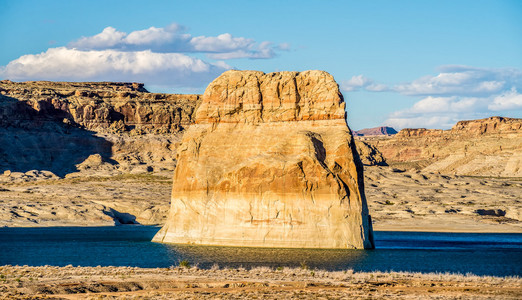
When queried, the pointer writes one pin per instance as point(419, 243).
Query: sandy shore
point(22, 282)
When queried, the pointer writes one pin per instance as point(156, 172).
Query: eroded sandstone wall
point(98, 106)
point(485, 147)
point(55, 126)
point(269, 162)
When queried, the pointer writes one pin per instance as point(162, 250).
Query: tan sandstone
point(486, 147)
point(269, 162)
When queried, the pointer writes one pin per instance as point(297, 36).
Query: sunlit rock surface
point(485, 147)
point(269, 162)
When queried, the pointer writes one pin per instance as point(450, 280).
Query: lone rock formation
point(269, 162)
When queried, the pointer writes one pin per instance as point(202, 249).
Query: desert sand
point(406, 200)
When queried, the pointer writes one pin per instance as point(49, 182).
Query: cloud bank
point(456, 93)
point(160, 57)
point(173, 38)
point(163, 69)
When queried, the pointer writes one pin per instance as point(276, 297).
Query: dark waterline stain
point(497, 254)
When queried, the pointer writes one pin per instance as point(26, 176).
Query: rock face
point(99, 106)
point(369, 154)
point(383, 130)
point(269, 162)
point(486, 147)
point(57, 125)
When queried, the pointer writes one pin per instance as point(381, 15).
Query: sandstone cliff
point(269, 162)
point(98, 106)
point(55, 126)
point(486, 147)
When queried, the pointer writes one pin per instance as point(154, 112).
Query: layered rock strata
point(98, 106)
point(269, 162)
point(485, 147)
point(54, 126)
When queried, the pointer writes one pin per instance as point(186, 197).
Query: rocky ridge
point(97, 106)
point(56, 126)
point(486, 147)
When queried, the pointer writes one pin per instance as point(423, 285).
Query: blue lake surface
point(497, 254)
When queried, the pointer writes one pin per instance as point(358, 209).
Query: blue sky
point(398, 63)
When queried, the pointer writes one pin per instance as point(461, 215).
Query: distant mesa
point(383, 130)
point(269, 162)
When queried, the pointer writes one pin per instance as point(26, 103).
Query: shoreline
point(476, 228)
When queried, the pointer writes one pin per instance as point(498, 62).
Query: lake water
point(479, 253)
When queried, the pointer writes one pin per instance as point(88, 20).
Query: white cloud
point(264, 50)
point(167, 69)
point(456, 93)
point(444, 112)
point(510, 100)
point(172, 38)
point(376, 87)
point(157, 56)
point(156, 36)
point(221, 43)
point(284, 46)
point(361, 82)
point(464, 81)
point(109, 37)
point(430, 105)
point(421, 122)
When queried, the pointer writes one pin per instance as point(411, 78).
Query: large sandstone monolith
point(269, 162)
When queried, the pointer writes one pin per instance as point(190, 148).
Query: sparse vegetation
point(184, 264)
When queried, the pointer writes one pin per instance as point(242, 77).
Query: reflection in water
point(331, 259)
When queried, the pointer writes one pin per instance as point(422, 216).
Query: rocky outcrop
point(55, 126)
point(383, 130)
point(269, 162)
point(486, 147)
point(98, 106)
point(369, 154)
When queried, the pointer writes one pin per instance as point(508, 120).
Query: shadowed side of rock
point(270, 162)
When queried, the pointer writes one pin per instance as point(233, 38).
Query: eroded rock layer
point(99, 106)
point(55, 126)
point(485, 147)
point(269, 162)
